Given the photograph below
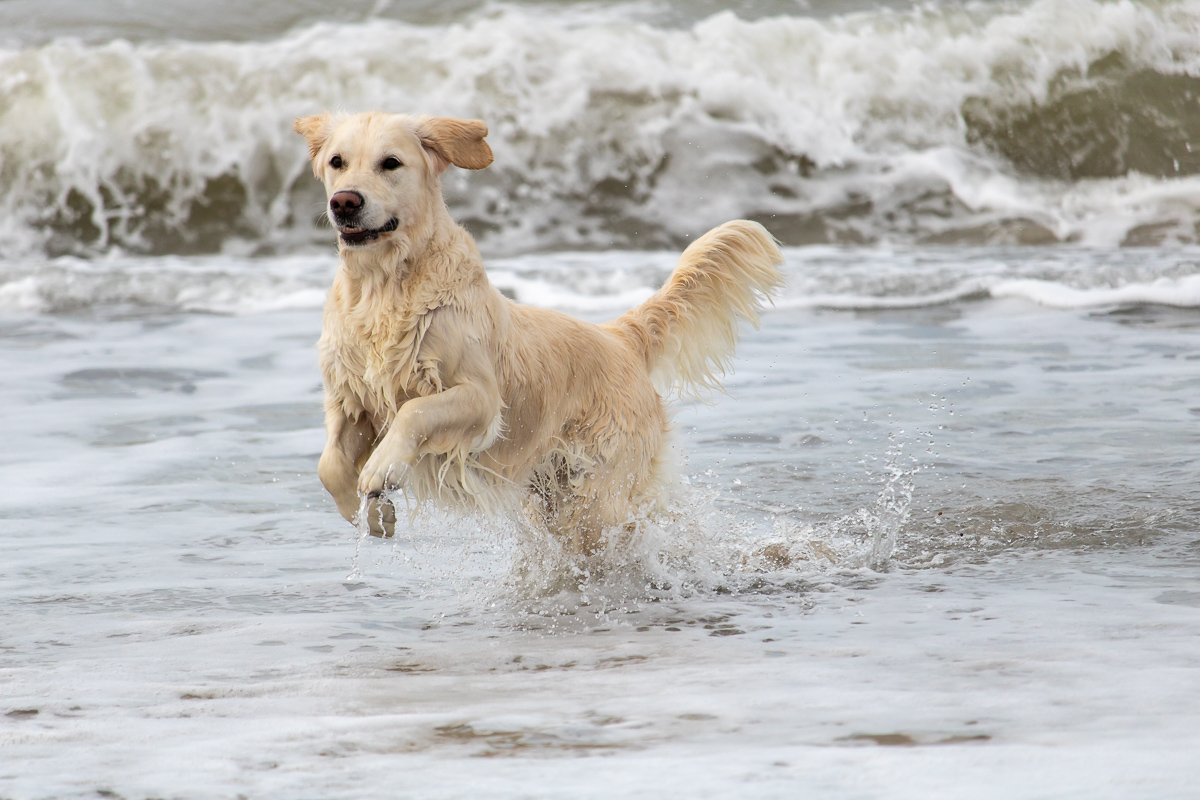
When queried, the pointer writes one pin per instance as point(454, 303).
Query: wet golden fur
point(439, 386)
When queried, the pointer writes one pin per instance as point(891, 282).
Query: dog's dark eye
point(391, 162)
point(336, 162)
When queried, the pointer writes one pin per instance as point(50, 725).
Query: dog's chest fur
point(370, 352)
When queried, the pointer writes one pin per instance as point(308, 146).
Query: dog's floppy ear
point(316, 129)
point(454, 141)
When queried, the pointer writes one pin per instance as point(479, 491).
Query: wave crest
point(1061, 120)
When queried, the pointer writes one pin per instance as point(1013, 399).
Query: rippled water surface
point(941, 537)
point(934, 539)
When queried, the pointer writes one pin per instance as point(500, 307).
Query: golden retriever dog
point(438, 386)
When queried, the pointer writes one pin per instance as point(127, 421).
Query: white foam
point(1182, 293)
point(539, 292)
point(581, 105)
point(213, 285)
point(604, 285)
point(963, 290)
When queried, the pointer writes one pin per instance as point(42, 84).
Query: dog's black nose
point(344, 204)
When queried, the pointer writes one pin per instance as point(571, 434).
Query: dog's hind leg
point(606, 502)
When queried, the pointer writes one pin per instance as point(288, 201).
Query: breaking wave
point(1059, 120)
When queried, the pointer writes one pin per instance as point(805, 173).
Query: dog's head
point(381, 170)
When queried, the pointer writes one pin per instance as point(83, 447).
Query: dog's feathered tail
point(687, 331)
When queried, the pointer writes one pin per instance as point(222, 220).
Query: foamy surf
point(1181, 293)
point(604, 285)
point(953, 124)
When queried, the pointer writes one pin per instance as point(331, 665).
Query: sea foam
point(948, 125)
point(603, 285)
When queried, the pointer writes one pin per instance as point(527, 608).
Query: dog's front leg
point(347, 444)
point(461, 415)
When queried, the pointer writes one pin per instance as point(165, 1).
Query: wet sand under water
point(180, 621)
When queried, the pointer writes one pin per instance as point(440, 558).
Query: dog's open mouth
point(360, 235)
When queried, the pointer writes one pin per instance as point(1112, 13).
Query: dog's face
point(381, 170)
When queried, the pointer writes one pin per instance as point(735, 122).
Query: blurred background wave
point(146, 127)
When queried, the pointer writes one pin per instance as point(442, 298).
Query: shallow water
point(941, 535)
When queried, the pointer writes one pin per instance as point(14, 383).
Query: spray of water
point(692, 545)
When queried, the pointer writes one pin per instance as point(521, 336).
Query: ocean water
point(152, 128)
point(939, 537)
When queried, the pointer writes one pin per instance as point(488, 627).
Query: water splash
point(362, 527)
point(892, 508)
point(691, 544)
